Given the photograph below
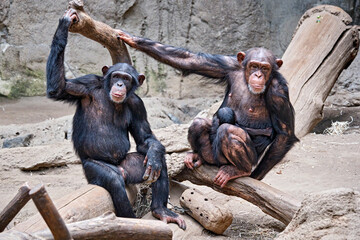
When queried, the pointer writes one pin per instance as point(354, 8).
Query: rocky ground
point(319, 162)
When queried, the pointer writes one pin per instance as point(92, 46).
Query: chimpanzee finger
point(152, 176)
point(157, 175)
point(147, 173)
point(145, 160)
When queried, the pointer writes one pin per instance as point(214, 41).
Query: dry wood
point(99, 32)
point(322, 46)
point(85, 203)
point(16, 235)
point(109, 226)
point(49, 212)
point(15, 205)
point(270, 200)
point(212, 216)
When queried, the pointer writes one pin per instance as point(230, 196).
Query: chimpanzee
point(107, 110)
point(254, 127)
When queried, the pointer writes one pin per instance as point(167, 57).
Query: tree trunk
point(322, 46)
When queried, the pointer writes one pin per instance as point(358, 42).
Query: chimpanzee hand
point(127, 38)
point(153, 169)
point(71, 16)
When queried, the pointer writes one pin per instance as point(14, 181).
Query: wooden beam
point(49, 212)
point(271, 201)
point(87, 202)
point(109, 226)
point(15, 205)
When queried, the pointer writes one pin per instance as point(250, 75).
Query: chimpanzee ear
point(240, 56)
point(105, 69)
point(279, 62)
point(141, 79)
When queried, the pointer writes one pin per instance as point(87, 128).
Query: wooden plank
point(271, 201)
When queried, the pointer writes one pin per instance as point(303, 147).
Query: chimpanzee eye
point(265, 69)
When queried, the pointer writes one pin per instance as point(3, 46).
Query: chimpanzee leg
point(133, 170)
point(234, 145)
point(109, 177)
point(160, 193)
point(199, 139)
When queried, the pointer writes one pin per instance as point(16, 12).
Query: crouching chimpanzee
point(107, 110)
point(254, 127)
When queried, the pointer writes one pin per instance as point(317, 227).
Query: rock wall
point(223, 27)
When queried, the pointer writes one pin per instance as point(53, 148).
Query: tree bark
point(270, 200)
point(323, 45)
point(109, 226)
point(99, 32)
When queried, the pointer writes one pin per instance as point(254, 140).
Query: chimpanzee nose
point(120, 84)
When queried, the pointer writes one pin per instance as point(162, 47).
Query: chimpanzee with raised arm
point(254, 127)
point(107, 110)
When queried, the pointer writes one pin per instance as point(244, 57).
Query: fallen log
point(15, 205)
point(85, 203)
point(49, 212)
point(323, 44)
point(211, 215)
point(109, 226)
point(99, 32)
point(271, 201)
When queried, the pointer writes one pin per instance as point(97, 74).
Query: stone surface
point(331, 214)
point(223, 27)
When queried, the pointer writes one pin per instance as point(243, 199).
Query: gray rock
point(331, 214)
point(223, 27)
point(21, 141)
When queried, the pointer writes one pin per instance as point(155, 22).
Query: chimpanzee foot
point(227, 173)
point(193, 160)
point(168, 216)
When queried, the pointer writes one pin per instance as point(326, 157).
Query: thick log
point(85, 203)
point(270, 200)
point(49, 212)
point(15, 205)
point(109, 226)
point(322, 46)
point(208, 213)
point(99, 32)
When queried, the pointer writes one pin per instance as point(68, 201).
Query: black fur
point(101, 128)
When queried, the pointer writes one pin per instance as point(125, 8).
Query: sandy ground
point(319, 162)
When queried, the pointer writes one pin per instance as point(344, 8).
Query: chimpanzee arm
point(212, 66)
point(146, 143)
point(58, 87)
point(283, 121)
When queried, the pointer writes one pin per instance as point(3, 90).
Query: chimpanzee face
point(257, 73)
point(121, 83)
point(258, 65)
point(121, 80)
